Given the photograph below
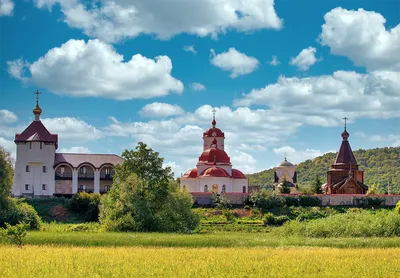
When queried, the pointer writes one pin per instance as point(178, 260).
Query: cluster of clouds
point(99, 71)
point(6, 7)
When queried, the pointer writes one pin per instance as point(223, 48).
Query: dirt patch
point(59, 212)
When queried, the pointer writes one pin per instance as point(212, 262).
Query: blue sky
point(113, 73)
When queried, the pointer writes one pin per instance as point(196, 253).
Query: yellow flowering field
point(54, 261)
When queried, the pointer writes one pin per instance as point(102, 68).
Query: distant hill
point(379, 165)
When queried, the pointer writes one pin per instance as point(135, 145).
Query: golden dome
point(37, 110)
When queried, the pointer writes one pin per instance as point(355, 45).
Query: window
point(206, 188)
point(62, 170)
point(223, 188)
point(44, 169)
point(244, 189)
point(27, 168)
point(108, 188)
point(83, 170)
point(26, 187)
point(107, 171)
point(44, 187)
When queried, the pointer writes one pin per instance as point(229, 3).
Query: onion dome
point(214, 131)
point(192, 173)
point(37, 110)
point(216, 155)
point(215, 172)
point(236, 174)
point(345, 135)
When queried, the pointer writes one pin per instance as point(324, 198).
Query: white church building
point(41, 171)
point(214, 172)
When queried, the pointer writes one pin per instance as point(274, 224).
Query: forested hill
point(379, 165)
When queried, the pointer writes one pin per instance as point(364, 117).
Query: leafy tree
point(6, 178)
point(144, 196)
point(285, 187)
point(266, 199)
point(316, 189)
point(16, 233)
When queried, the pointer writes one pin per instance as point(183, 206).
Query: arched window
point(223, 189)
point(244, 189)
point(206, 188)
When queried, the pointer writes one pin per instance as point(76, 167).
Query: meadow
point(56, 261)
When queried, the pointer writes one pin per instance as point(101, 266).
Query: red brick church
point(345, 177)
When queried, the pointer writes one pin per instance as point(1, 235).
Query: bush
point(230, 217)
point(291, 201)
point(309, 201)
point(16, 233)
point(265, 200)
point(247, 207)
point(272, 220)
point(19, 211)
point(397, 209)
point(87, 205)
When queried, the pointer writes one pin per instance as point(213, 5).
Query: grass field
point(51, 261)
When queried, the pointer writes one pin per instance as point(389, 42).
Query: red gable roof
point(36, 132)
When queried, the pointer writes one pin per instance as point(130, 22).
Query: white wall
point(31, 154)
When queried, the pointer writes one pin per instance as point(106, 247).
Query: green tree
point(316, 188)
point(16, 233)
point(144, 196)
point(6, 178)
point(285, 187)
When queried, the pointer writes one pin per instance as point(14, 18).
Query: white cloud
point(296, 156)
point(7, 116)
point(9, 146)
point(190, 48)
point(244, 162)
point(197, 86)
point(72, 129)
point(17, 69)
point(77, 149)
point(323, 100)
point(6, 7)
point(274, 61)
point(158, 109)
point(95, 69)
point(361, 36)
point(234, 61)
point(305, 59)
point(120, 19)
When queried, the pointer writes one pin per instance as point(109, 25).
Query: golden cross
point(345, 122)
point(37, 93)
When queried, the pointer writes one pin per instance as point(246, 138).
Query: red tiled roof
point(215, 172)
point(345, 155)
point(236, 174)
point(36, 132)
point(214, 155)
point(192, 173)
point(97, 160)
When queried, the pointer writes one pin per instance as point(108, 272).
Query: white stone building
point(286, 171)
point(214, 172)
point(41, 171)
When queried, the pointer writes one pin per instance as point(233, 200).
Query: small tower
point(36, 148)
point(212, 133)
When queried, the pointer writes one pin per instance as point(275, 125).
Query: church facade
point(41, 171)
point(286, 172)
point(214, 172)
point(345, 177)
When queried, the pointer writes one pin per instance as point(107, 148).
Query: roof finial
point(345, 122)
point(285, 156)
point(37, 110)
point(214, 122)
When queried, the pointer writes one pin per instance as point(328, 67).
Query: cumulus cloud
point(305, 59)
point(296, 156)
point(72, 129)
point(190, 48)
point(361, 36)
point(234, 61)
point(197, 86)
point(97, 70)
point(120, 19)
point(7, 116)
point(9, 146)
point(6, 7)
point(158, 109)
point(323, 100)
point(274, 61)
point(77, 149)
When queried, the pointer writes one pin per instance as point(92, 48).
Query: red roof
point(236, 174)
point(215, 172)
point(213, 132)
point(96, 160)
point(36, 132)
point(345, 155)
point(192, 173)
point(212, 155)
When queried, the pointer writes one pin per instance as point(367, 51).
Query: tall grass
point(51, 261)
point(351, 224)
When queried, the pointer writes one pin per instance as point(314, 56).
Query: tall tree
point(6, 177)
point(317, 185)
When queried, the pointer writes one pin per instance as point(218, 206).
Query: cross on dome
point(37, 111)
point(345, 122)
point(214, 122)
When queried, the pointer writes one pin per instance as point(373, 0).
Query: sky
point(281, 75)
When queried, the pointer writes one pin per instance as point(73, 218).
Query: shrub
point(368, 201)
point(86, 204)
point(397, 209)
point(16, 233)
point(265, 200)
point(291, 201)
point(230, 217)
point(19, 211)
point(247, 207)
point(309, 201)
point(220, 202)
point(272, 220)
